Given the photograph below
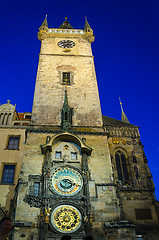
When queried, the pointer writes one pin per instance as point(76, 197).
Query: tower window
point(121, 166)
point(8, 174)
point(36, 188)
point(58, 155)
point(66, 77)
point(13, 143)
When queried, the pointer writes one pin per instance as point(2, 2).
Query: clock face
point(66, 44)
point(65, 181)
point(66, 219)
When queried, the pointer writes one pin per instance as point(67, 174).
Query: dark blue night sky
point(126, 51)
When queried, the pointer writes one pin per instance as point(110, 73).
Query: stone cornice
point(38, 130)
point(70, 55)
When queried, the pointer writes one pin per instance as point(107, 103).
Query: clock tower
point(82, 173)
point(66, 60)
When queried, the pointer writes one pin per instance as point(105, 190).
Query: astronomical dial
point(66, 219)
point(66, 181)
point(66, 44)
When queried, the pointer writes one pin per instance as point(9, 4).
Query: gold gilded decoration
point(47, 215)
point(85, 219)
point(66, 147)
point(115, 140)
point(66, 219)
point(91, 218)
point(123, 142)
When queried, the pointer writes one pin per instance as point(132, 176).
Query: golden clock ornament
point(66, 219)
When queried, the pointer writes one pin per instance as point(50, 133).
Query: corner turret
point(44, 25)
point(88, 31)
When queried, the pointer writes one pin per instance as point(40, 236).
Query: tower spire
point(66, 98)
point(44, 24)
point(66, 115)
point(66, 25)
point(123, 115)
point(87, 26)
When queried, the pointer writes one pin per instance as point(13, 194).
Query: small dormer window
point(58, 155)
point(73, 155)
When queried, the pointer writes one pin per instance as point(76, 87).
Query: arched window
point(1, 118)
point(9, 119)
point(121, 166)
point(5, 119)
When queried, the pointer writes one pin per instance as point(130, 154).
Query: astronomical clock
point(64, 184)
point(65, 181)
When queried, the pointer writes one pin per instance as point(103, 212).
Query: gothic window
point(13, 143)
point(66, 77)
point(121, 166)
point(58, 155)
point(73, 155)
point(8, 173)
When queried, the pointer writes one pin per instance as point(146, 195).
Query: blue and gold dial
point(66, 181)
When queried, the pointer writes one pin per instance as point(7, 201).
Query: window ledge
point(12, 149)
point(7, 184)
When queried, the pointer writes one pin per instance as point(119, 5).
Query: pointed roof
point(108, 121)
point(86, 24)
point(123, 115)
point(66, 25)
point(44, 24)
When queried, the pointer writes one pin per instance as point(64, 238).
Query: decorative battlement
point(65, 30)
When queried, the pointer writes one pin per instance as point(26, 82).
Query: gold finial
point(120, 101)
point(121, 104)
point(123, 116)
point(46, 16)
point(66, 18)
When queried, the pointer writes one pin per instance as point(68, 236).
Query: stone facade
point(82, 173)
